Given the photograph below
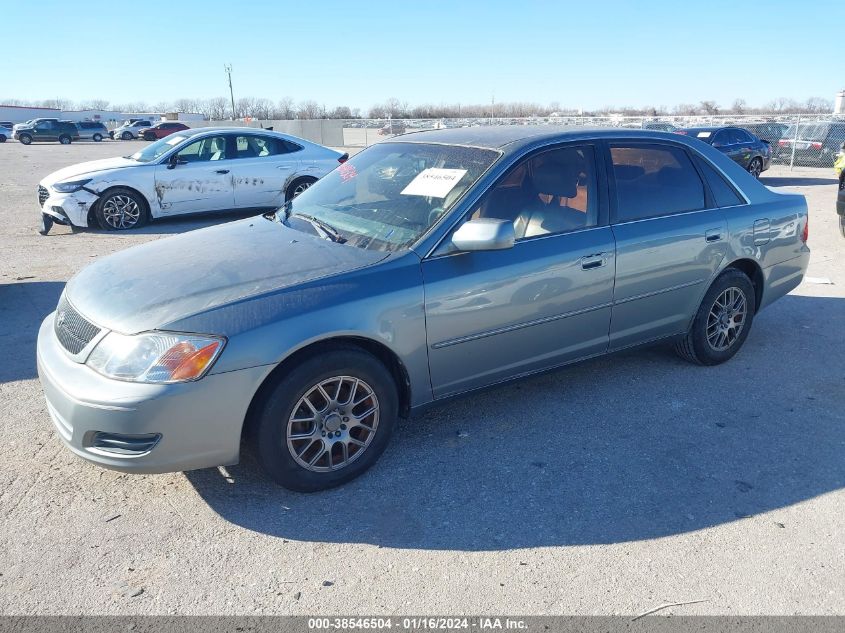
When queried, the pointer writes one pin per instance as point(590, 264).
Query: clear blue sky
point(589, 54)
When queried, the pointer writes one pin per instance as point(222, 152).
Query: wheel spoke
point(332, 423)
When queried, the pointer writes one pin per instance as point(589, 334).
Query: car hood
point(149, 286)
point(88, 168)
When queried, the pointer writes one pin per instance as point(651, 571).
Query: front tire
point(722, 321)
point(126, 136)
point(842, 225)
point(297, 187)
point(98, 138)
point(26, 139)
point(755, 167)
point(326, 421)
point(121, 209)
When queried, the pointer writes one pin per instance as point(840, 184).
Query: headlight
point(155, 357)
point(70, 187)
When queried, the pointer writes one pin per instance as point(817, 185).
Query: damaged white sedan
point(197, 171)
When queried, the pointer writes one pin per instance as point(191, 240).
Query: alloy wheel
point(121, 212)
point(300, 188)
point(755, 168)
point(333, 424)
point(726, 319)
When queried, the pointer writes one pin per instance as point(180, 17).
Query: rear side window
point(654, 180)
point(259, 146)
point(723, 193)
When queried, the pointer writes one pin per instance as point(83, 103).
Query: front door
point(495, 315)
point(670, 241)
point(200, 179)
point(46, 131)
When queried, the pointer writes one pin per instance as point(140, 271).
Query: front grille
point(72, 329)
point(43, 194)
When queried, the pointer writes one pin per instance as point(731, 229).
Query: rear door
point(670, 240)
point(262, 167)
point(727, 142)
point(200, 181)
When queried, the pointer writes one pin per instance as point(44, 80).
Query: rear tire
point(298, 186)
point(64, 139)
point(722, 321)
point(755, 167)
point(98, 138)
point(842, 225)
point(26, 139)
point(340, 438)
point(2, 139)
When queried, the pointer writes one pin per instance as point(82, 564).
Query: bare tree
point(285, 109)
point(308, 110)
point(738, 106)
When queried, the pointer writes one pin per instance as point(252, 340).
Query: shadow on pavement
point(634, 446)
point(22, 308)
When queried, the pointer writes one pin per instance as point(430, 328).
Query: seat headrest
point(556, 178)
point(628, 172)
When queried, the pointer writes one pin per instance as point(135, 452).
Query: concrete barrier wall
point(323, 131)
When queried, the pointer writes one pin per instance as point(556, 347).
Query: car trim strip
point(659, 292)
point(518, 326)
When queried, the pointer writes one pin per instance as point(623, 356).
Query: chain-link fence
point(812, 140)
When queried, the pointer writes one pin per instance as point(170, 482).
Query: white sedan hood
point(88, 168)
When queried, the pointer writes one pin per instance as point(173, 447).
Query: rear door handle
point(222, 171)
point(713, 235)
point(597, 260)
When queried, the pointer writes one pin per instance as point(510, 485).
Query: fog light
point(123, 444)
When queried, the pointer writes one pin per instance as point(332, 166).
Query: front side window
point(654, 180)
point(205, 149)
point(389, 195)
point(158, 149)
point(552, 192)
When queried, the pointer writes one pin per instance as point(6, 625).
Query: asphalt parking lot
point(610, 487)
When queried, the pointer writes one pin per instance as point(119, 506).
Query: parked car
point(46, 130)
point(660, 126)
point(5, 131)
point(769, 132)
point(130, 129)
point(160, 130)
point(425, 267)
point(201, 170)
point(817, 142)
point(92, 130)
point(392, 127)
point(751, 153)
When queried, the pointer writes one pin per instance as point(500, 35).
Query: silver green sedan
point(427, 266)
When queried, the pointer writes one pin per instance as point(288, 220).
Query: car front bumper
point(144, 428)
point(69, 207)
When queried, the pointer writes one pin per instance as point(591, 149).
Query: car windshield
point(156, 150)
point(389, 195)
point(808, 131)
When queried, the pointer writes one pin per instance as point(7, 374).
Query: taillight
point(684, 132)
point(343, 159)
point(805, 234)
point(782, 142)
point(816, 145)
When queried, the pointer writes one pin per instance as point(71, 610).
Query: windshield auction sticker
point(434, 182)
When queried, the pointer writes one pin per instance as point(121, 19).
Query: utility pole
point(228, 69)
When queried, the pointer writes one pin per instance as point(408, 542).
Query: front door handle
point(713, 235)
point(222, 171)
point(597, 260)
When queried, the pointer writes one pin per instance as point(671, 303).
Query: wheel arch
point(104, 194)
point(379, 350)
point(752, 270)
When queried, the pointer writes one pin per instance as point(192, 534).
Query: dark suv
point(816, 142)
point(751, 153)
point(48, 130)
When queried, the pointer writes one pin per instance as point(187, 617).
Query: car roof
point(512, 138)
point(710, 128)
point(194, 131)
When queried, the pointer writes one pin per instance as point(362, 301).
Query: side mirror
point(484, 234)
point(173, 161)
